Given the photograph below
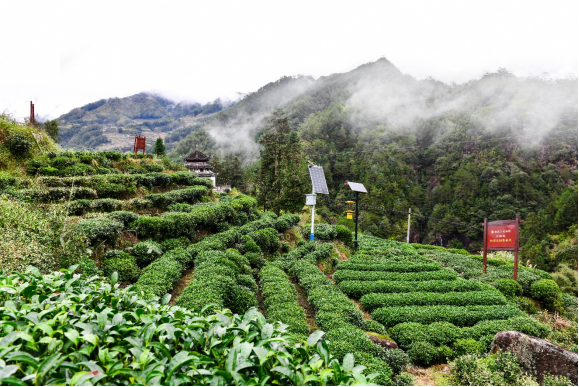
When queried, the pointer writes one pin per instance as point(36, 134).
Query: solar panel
point(357, 187)
point(318, 179)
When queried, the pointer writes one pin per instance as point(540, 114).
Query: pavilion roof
point(196, 156)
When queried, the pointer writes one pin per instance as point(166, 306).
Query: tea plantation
point(121, 270)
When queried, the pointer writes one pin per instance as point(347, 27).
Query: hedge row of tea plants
point(160, 201)
point(341, 319)
point(209, 216)
point(354, 275)
point(65, 329)
point(357, 289)
point(401, 267)
point(223, 279)
point(471, 267)
point(280, 299)
point(165, 272)
point(457, 315)
point(382, 300)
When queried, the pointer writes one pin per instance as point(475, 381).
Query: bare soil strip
point(303, 301)
point(186, 278)
point(259, 297)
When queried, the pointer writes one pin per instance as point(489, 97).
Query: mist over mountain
point(491, 147)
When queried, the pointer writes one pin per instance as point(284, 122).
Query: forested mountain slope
point(491, 147)
point(112, 123)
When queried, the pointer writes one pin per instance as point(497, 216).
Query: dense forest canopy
point(491, 147)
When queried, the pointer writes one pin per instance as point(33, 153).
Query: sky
point(65, 54)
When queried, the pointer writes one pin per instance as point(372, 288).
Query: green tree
point(51, 128)
point(282, 178)
point(159, 148)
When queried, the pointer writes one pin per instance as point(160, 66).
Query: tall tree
point(282, 179)
point(51, 128)
point(159, 148)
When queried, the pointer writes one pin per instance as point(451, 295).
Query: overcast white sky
point(64, 54)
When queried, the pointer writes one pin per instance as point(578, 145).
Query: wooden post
point(408, 229)
point(485, 246)
point(516, 268)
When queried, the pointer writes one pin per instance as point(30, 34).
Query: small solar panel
point(318, 179)
point(357, 187)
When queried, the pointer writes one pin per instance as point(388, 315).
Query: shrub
point(180, 207)
point(114, 254)
point(468, 346)
point(400, 267)
point(397, 359)
point(526, 305)
point(159, 277)
point(556, 380)
point(89, 268)
point(174, 243)
point(110, 190)
point(266, 239)
point(344, 234)
point(285, 247)
point(100, 230)
point(547, 292)
point(376, 327)
point(77, 207)
point(18, 144)
point(146, 252)
point(404, 379)
point(125, 266)
point(125, 217)
point(106, 205)
point(423, 353)
point(322, 232)
point(510, 288)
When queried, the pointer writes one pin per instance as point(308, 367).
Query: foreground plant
point(65, 329)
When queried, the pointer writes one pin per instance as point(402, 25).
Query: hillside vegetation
point(112, 123)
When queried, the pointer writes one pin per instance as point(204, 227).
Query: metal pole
point(356, 228)
point(516, 269)
point(408, 230)
point(485, 246)
point(312, 229)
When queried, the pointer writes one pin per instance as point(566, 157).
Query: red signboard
point(501, 236)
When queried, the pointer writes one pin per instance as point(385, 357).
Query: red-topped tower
point(196, 162)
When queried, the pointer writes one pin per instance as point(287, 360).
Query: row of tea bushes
point(222, 279)
point(444, 333)
point(280, 299)
point(160, 201)
point(66, 329)
point(401, 267)
point(471, 267)
point(341, 319)
point(354, 275)
point(374, 301)
point(170, 269)
point(115, 184)
point(457, 315)
point(357, 289)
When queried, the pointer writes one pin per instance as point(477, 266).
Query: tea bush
point(124, 265)
point(510, 288)
point(457, 315)
point(547, 292)
point(357, 289)
point(100, 230)
point(401, 267)
point(146, 252)
point(124, 217)
point(378, 300)
point(161, 341)
point(281, 300)
point(344, 235)
point(353, 275)
point(267, 240)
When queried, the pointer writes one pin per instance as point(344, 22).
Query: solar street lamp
point(318, 186)
point(356, 187)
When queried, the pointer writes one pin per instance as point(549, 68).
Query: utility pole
point(408, 229)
